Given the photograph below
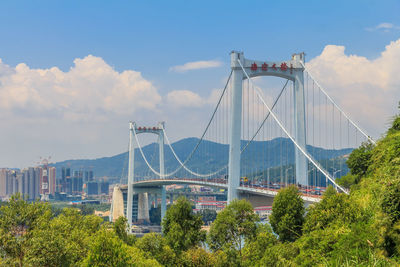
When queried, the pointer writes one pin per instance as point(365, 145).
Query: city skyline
point(72, 97)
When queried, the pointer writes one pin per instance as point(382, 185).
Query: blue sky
point(150, 37)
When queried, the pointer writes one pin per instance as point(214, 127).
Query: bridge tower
point(291, 70)
point(143, 203)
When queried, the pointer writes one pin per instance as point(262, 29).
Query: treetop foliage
point(287, 216)
point(181, 227)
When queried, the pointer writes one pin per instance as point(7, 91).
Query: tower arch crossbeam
point(282, 69)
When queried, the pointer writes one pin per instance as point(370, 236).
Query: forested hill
point(211, 156)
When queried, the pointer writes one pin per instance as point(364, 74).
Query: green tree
point(360, 160)
point(280, 255)
point(86, 209)
point(181, 227)
point(155, 215)
point(236, 223)
point(287, 214)
point(156, 247)
point(197, 257)
point(390, 205)
point(208, 215)
point(391, 200)
point(120, 228)
point(18, 220)
point(107, 249)
point(62, 241)
point(334, 208)
point(254, 250)
point(348, 180)
point(395, 124)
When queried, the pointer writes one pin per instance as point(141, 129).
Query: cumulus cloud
point(205, 64)
point(89, 88)
point(367, 89)
point(184, 98)
point(384, 26)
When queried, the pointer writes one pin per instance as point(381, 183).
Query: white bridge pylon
point(242, 69)
point(143, 198)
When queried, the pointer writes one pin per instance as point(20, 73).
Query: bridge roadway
point(218, 183)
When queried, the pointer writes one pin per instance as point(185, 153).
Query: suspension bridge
point(257, 141)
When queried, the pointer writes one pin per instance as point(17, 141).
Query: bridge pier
point(143, 208)
point(163, 202)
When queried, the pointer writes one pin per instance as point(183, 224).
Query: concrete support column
point(235, 126)
point(155, 197)
point(300, 124)
point(143, 208)
point(150, 196)
point(161, 125)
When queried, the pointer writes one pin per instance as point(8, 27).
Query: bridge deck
point(221, 183)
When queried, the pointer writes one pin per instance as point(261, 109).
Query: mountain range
point(209, 157)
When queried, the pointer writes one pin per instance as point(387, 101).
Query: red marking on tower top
point(264, 66)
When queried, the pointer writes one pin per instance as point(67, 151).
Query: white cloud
point(385, 26)
point(184, 98)
point(89, 89)
point(205, 64)
point(368, 90)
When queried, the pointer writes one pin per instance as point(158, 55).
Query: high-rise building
point(104, 188)
point(13, 182)
point(20, 183)
point(52, 180)
point(75, 182)
point(3, 182)
point(92, 188)
point(47, 180)
point(88, 176)
point(44, 181)
point(25, 182)
point(65, 176)
point(33, 186)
